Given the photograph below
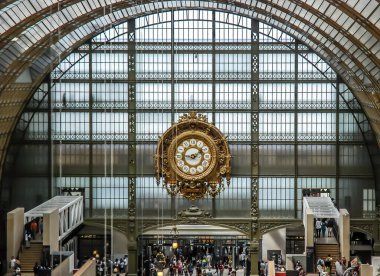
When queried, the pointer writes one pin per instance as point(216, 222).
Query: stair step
point(31, 255)
point(323, 250)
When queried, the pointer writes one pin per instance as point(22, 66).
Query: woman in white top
point(338, 268)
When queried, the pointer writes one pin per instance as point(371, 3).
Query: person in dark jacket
point(36, 268)
point(330, 225)
point(247, 267)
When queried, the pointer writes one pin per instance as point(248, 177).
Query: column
point(309, 239)
point(131, 229)
point(15, 231)
point(344, 233)
point(51, 229)
point(255, 233)
point(309, 228)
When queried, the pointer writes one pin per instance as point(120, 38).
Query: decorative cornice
point(194, 212)
point(365, 228)
point(242, 227)
point(266, 227)
point(194, 215)
point(192, 116)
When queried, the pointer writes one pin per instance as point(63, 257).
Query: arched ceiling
point(36, 35)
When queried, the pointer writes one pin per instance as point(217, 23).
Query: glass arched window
point(265, 90)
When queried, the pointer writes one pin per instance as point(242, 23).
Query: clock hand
point(193, 156)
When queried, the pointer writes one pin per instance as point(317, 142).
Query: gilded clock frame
point(209, 182)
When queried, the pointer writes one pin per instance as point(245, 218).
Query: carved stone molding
point(193, 220)
point(378, 211)
point(254, 205)
point(266, 227)
point(146, 225)
point(242, 227)
point(254, 226)
point(193, 215)
point(254, 246)
point(121, 226)
point(365, 228)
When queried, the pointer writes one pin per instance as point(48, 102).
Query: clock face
point(194, 156)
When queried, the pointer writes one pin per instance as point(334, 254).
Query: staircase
point(30, 256)
point(323, 250)
point(322, 207)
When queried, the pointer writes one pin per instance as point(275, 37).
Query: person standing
point(41, 226)
point(328, 262)
point(323, 228)
point(320, 265)
point(27, 240)
point(344, 263)
point(247, 266)
point(13, 263)
point(36, 269)
point(221, 268)
point(33, 228)
point(330, 225)
point(318, 225)
point(338, 268)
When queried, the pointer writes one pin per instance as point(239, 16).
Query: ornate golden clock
point(193, 158)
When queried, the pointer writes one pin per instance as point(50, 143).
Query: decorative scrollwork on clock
point(193, 158)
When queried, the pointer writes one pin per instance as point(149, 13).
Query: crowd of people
point(324, 266)
point(202, 266)
point(33, 228)
point(119, 266)
point(41, 270)
point(321, 226)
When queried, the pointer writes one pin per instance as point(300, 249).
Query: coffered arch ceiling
point(36, 35)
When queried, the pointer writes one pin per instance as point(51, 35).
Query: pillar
point(344, 233)
point(309, 239)
point(132, 258)
point(15, 231)
point(254, 256)
point(132, 156)
point(255, 213)
point(309, 228)
point(51, 230)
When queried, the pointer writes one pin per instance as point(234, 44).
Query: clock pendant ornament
point(193, 158)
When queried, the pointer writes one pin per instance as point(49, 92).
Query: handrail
point(336, 231)
point(20, 248)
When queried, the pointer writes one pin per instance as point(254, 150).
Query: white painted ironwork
point(322, 207)
point(70, 210)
